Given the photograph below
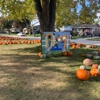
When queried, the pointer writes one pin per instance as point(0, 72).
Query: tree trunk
point(46, 10)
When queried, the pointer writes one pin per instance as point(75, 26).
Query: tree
point(88, 12)
point(71, 12)
point(51, 12)
point(46, 10)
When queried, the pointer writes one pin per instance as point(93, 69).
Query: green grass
point(15, 34)
point(95, 39)
point(24, 76)
point(77, 37)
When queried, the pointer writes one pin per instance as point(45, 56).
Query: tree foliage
point(67, 12)
point(18, 9)
point(76, 11)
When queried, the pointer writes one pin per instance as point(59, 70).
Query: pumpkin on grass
point(64, 53)
point(69, 53)
point(95, 66)
point(82, 74)
point(73, 46)
point(39, 54)
point(83, 55)
point(94, 72)
point(87, 62)
point(99, 69)
point(83, 67)
point(99, 52)
point(93, 46)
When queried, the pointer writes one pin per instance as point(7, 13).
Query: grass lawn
point(95, 39)
point(15, 34)
point(24, 76)
point(77, 37)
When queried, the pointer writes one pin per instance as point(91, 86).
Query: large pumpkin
point(82, 74)
point(87, 62)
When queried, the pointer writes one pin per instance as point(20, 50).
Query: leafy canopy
point(67, 11)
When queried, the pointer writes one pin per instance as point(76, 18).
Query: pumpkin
point(87, 62)
point(94, 72)
point(95, 52)
point(96, 57)
point(88, 55)
point(93, 46)
point(39, 54)
point(83, 67)
point(73, 46)
point(88, 46)
point(83, 55)
point(95, 66)
point(98, 69)
point(81, 44)
point(69, 53)
point(64, 53)
point(43, 56)
point(77, 46)
point(82, 74)
point(99, 52)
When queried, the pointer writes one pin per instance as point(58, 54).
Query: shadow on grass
point(32, 78)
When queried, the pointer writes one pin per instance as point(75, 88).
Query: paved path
point(86, 41)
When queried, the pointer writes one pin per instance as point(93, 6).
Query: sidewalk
point(86, 41)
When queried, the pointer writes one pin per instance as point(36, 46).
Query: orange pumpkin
point(39, 54)
point(98, 72)
point(64, 53)
point(73, 46)
point(69, 53)
point(95, 66)
point(82, 74)
point(94, 72)
point(83, 55)
point(93, 46)
point(99, 52)
point(81, 44)
point(77, 46)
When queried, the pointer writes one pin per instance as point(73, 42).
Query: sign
point(55, 42)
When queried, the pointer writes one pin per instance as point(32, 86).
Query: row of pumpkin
point(68, 53)
point(12, 40)
point(79, 45)
point(83, 74)
point(94, 54)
